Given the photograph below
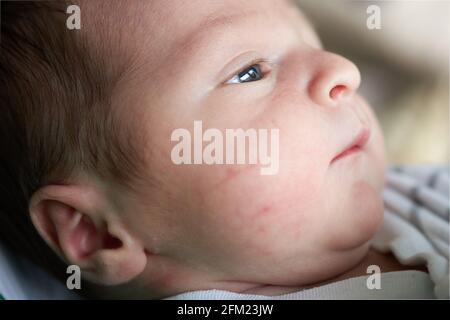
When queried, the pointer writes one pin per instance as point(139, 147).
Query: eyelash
point(254, 67)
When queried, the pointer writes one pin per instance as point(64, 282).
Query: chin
point(358, 220)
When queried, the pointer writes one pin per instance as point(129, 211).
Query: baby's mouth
point(355, 146)
point(346, 152)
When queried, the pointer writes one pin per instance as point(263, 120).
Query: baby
point(86, 144)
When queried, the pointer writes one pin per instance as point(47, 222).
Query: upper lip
point(359, 140)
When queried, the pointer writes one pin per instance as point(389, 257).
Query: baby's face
point(313, 218)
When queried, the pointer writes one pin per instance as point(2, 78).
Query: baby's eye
point(252, 73)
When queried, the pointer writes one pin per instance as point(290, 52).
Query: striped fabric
point(421, 196)
point(416, 219)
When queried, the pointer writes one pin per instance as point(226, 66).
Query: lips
point(355, 145)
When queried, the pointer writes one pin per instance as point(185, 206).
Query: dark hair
point(55, 117)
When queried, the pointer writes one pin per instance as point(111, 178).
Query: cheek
point(253, 216)
point(246, 216)
point(378, 152)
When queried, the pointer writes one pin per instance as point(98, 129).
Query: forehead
point(164, 27)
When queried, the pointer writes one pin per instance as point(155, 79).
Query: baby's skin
point(192, 227)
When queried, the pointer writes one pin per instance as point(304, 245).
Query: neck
point(387, 263)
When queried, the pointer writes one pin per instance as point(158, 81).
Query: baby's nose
point(333, 78)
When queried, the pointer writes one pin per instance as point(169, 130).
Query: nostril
point(337, 91)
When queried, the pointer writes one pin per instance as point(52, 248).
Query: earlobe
point(116, 266)
point(92, 239)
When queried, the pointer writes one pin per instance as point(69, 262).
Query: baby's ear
point(82, 230)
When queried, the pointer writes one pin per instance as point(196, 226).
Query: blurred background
point(404, 67)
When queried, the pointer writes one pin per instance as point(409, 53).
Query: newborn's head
point(164, 228)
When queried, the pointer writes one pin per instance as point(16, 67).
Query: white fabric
point(394, 285)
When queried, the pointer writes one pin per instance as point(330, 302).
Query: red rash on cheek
point(263, 210)
point(230, 174)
